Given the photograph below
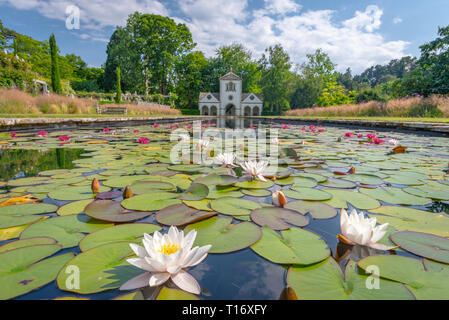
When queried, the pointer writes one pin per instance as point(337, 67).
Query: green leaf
point(233, 206)
point(180, 214)
point(278, 218)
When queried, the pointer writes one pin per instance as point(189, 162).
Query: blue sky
point(355, 33)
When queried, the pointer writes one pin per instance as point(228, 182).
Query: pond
point(60, 240)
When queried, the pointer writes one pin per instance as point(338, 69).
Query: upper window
point(252, 97)
point(230, 86)
point(209, 97)
point(230, 97)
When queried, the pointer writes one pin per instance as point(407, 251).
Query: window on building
point(230, 86)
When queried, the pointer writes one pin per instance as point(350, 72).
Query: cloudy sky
point(355, 33)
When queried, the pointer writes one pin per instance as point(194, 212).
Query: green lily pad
point(361, 201)
point(23, 269)
point(428, 193)
point(293, 246)
point(19, 210)
point(67, 230)
point(217, 180)
point(339, 183)
point(423, 244)
point(203, 205)
point(413, 220)
point(317, 210)
point(151, 202)
point(395, 196)
point(307, 194)
point(120, 233)
point(224, 236)
point(101, 268)
point(180, 214)
point(196, 191)
point(112, 211)
point(28, 181)
point(363, 178)
point(326, 281)
point(141, 187)
point(256, 192)
point(75, 207)
point(26, 243)
point(233, 206)
point(424, 279)
point(278, 218)
point(255, 184)
point(74, 193)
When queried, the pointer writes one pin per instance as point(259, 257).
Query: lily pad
point(395, 196)
point(196, 191)
point(293, 246)
point(423, 244)
point(112, 211)
point(326, 281)
point(307, 194)
point(75, 207)
point(233, 206)
point(317, 210)
point(27, 209)
point(339, 183)
point(141, 187)
point(278, 218)
point(175, 294)
point(180, 214)
point(224, 236)
point(24, 270)
point(255, 184)
point(120, 233)
point(361, 201)
point(26, 243)
point(67, 230)
point(151, 202)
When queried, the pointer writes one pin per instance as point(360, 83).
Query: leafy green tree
point(146, 51)
point(335, 94)
point(435, 61)
point(118, 89)
point(275, 65)
point(190, 71)
point(55, 77)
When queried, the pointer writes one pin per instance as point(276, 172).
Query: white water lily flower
point(164, 257)
point(359, 230)
point(184, 137)
point(202, 144)
point(279, 199)
point(275, 141)
point(254, 169)
point(393, 142)
point(226, 159)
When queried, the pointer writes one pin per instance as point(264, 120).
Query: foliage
point(55, 77)
point(335, 94)
point(118, 88)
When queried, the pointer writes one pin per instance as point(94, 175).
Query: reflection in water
point(15, 163)
point(233, 122)
point(240, 275)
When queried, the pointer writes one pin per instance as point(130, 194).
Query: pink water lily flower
point(64, 138)
point(360, 135)
point(13, 134)
point(377, 141)
point(42, 133)
point(320, 130)
point(156, 126)
point(143, 140)
point(285, 127)
point(370, 136)
point(348, 135)
point(165, 257)
point(136, 131)
point(106, 130)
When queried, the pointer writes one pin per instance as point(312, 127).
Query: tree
point(118, 95)
point(190, 71)
point(435, 61)
point(335, 94)
point(55, 77)
point(146, 51)
point(275, 65)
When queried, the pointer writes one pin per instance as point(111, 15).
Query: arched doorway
point(247, 111)
point(230, 110)
point(213, 111)
point(255, 111)
point(205, 111)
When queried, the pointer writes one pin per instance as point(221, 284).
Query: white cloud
point(355, 42)
point(282, 6)
point(397, 20)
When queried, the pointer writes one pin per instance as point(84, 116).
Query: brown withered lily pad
point(111, 211)
point(180, 214)
point(278, 218)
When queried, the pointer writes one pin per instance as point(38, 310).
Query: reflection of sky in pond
point(237, 275)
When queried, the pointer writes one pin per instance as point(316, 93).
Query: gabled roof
point(216, 95)
point(230, 76)
point(246, 95)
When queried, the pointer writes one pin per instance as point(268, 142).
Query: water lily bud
point(279, 199)
point(127, 193)
point(95, 186)
point(351, 171)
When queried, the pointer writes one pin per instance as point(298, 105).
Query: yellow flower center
point(169, 248)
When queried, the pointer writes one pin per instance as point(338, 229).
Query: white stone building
point(230, 101)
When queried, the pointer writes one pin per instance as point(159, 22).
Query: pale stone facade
point(230, 101)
